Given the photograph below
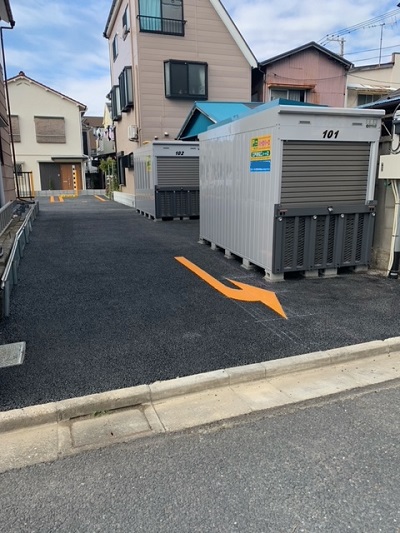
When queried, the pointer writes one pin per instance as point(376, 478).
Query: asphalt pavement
point(103, 304)
point(329, 466)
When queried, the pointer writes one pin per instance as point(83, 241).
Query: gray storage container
point(167, 179)
point(291, 188)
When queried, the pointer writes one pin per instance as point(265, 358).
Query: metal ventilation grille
point(348, 238)
point(324, 241)
point(331, 241)
point(181, 203)
point(289, 243)
point(195, 203)
point(314, 242)
point(360, 233)
point(165, 204)
point(177, 203)
point(324, 173)
point(301, 241)
point(294, 243)
point(319, 241)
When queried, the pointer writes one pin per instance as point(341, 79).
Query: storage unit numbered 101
point(291, 188)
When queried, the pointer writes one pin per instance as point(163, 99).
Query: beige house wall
point(206, 39)
point(28, 100)
point(386, 76)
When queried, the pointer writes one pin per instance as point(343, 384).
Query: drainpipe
point(394, 261)
point(394, 258)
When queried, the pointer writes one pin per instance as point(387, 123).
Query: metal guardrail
point(6, 215)
point(10, 274)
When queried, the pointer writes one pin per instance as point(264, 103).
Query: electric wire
point(361, 25)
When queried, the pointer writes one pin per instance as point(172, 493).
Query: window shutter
point(50, 130)
point(16, 134)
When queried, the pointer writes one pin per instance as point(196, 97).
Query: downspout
point(264, 79)
point(394, 257)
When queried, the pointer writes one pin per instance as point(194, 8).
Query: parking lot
point(102, 304)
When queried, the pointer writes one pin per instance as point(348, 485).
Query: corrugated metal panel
point(177, 203)
point(324, 173)
point(324, 241)
point(178, 171)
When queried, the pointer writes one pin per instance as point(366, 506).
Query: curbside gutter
point(105, 402)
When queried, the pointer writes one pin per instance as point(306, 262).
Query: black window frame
point(368, 98)
point(126, 89)
point(116, 112)
point(121, 166)
point(126, 25)
point(184, 95)
point(114, 46)
point(162, 24)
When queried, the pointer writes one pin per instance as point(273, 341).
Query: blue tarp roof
point(206, 114)
point(267, 105)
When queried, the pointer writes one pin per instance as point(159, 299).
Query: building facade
point(309, 73)
point(47, 135)
point(164, 56)
point(369, 83)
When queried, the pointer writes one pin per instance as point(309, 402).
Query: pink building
point(309, 73)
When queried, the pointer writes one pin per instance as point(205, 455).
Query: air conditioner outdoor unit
point(132, 133)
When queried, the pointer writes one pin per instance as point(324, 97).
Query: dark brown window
point(50, 130)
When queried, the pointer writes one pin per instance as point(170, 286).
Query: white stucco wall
point(27, 100)
point(385, 76)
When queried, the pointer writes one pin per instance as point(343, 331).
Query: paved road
point(331, 467)
point(102, 304)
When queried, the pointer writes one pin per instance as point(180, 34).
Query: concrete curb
point(70, 409)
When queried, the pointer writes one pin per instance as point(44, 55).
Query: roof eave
point(82, 107)
point(6, 13)
point(347, 64)
point(111, 17)
point(235, 33)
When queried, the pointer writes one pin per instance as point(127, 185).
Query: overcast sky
point(60, 43)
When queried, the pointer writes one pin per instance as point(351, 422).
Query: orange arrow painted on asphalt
point(245, 293)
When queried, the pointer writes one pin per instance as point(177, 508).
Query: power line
point(362, 25)
point(373, 50)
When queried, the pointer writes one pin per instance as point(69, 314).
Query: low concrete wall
point(124, 198)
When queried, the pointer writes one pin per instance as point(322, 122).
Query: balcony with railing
point(162, 25)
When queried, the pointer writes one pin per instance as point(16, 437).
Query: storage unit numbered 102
point(167, 179)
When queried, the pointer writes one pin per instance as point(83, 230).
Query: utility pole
point(340, 40)
point(380, 44)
